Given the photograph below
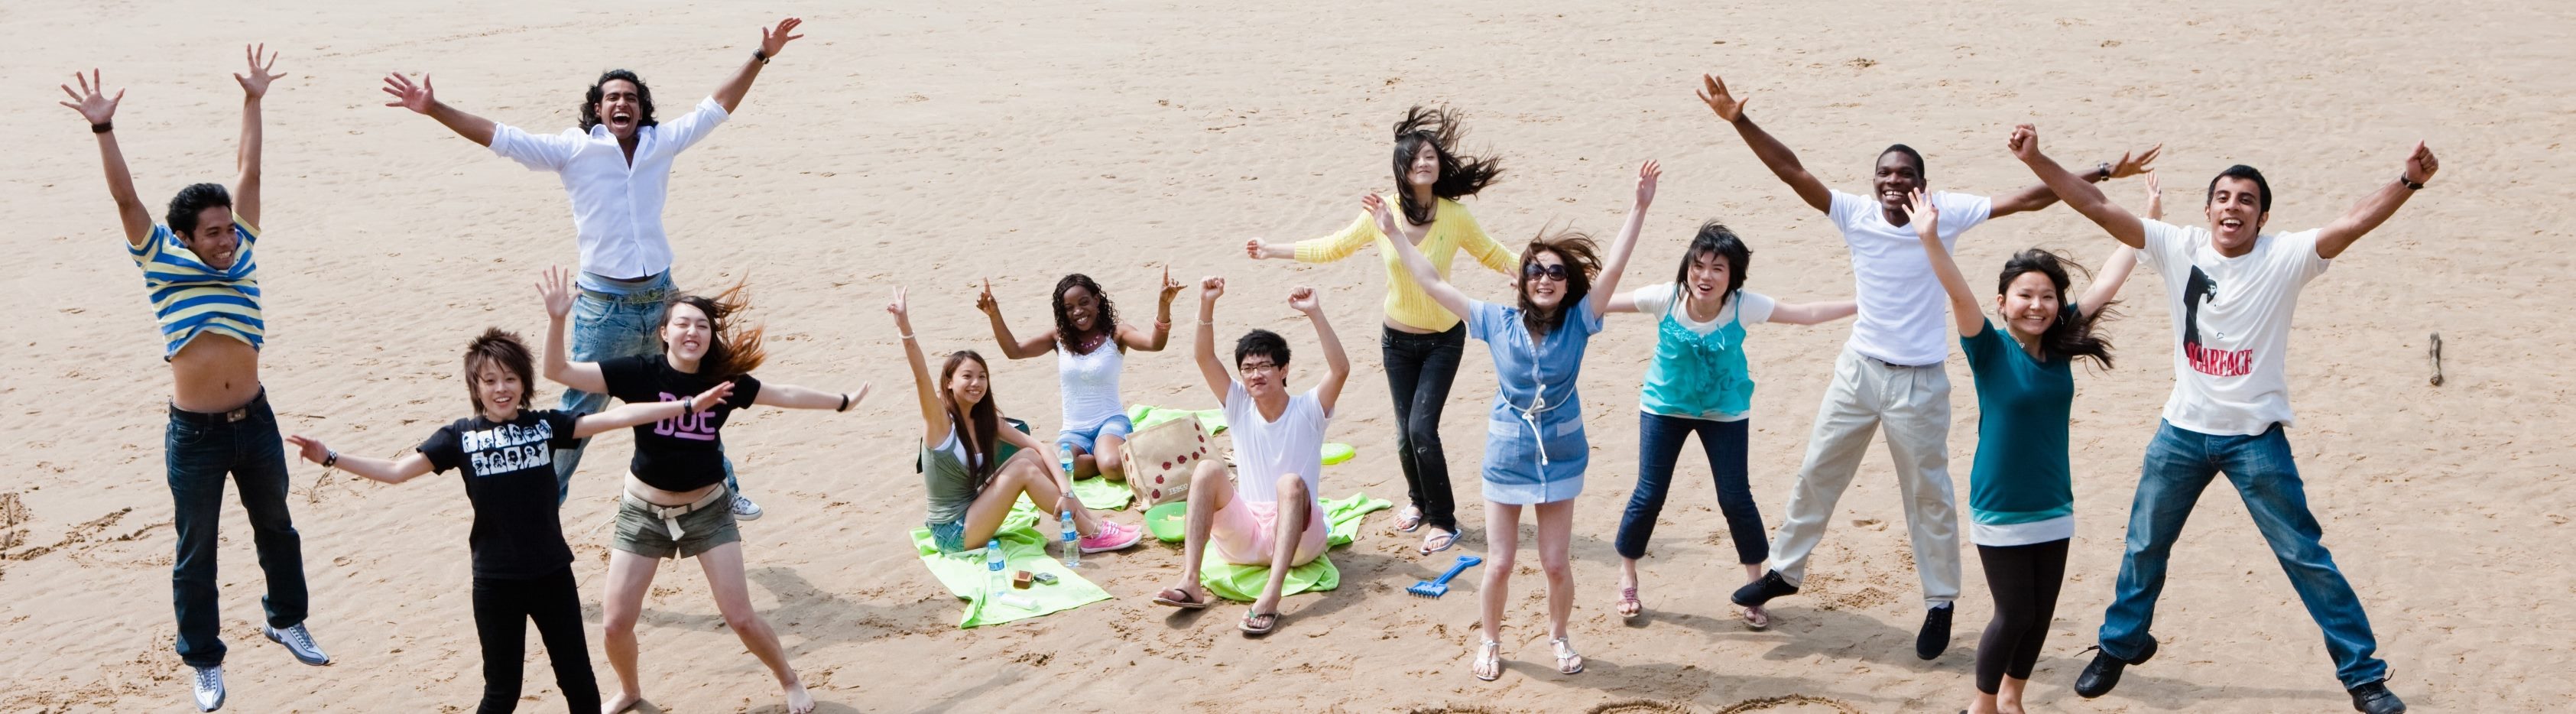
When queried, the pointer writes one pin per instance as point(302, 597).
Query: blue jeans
point(1659, 445)
point(201, 450)
point(611, 319)
point(2179, 464)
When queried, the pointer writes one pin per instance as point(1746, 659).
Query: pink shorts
point(1245, 532)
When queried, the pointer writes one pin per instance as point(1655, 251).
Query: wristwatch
point(2105, 168)
point(760, 55)
point(2411, 185)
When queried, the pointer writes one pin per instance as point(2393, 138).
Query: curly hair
point(733, 350)
point(1460, 176)
point(590, 101)
point(1104, 321)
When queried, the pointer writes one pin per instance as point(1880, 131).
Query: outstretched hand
point(309, 448)
point(2136, 162)
point(2024, 142)
point(1920, 213)
point(707, 399)
point(1304, 299)
point(2420, 165)
point(92, 102)
point(555, 287)
point(2155, 197)
point(984, 300)
point(255, 84)
point(771, 41)
point(1211, 288)
point(1171, 288)
point(1255, 247)
point(1385, 215)
point(416, 97)
point(899, 307)
point(1713, 92)
point(1647, 174)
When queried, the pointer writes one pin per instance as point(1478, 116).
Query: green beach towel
point(1099, 494)
point(1243, 583)
point(1144, 416)
point(1024, 548)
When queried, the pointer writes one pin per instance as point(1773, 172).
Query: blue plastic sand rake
point(1438, 587)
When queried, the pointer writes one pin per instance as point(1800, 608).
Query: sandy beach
point(934, 145)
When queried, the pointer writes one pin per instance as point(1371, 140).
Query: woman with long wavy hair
point(1091, 349)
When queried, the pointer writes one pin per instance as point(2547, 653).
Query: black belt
point(220, 418)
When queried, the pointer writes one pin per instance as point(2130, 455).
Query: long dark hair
point(983, 421)
point(1714, 239)
point(2071, 336)
point(495, 346)
point(1582, 261)
point(590, 101)
point(1105, 320)
point(732, 350)
point(1460, 176)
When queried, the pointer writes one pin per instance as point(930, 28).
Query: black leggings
point(1419, 370)
point(2025, 580)
point(502, 609)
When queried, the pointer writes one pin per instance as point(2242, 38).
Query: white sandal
point(1489, 655)
point(1564, 652)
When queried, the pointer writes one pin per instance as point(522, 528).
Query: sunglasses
point(1534, 271)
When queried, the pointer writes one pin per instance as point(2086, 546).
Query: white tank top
point(1090, 384)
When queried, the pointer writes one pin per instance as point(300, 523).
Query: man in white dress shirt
point(616, 169)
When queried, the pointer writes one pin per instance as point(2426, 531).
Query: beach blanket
point(1024, 547)
point(1243, 583)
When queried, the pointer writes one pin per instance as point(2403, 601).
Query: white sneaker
point(299, 642)
point(210, 687)
point(744, 509)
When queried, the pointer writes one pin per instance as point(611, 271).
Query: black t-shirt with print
point(509, 475)
point(683, 453)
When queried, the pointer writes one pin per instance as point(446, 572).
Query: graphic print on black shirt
point(509, 475)
point(2222, 363)
point(681, 453)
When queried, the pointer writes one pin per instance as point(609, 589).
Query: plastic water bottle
point(1072, 541)
point(994, 581)
point(1064, 455)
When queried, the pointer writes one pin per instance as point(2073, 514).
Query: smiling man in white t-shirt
point(2232, 289)
point(1890, 375)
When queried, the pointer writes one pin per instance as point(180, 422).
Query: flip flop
point(1268, 621)
point(1176, 597)
point(1750, 624)
point(1408, 520)
point(1444, 545)
point(1628, 596)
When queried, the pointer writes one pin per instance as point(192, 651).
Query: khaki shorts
point(642, 533)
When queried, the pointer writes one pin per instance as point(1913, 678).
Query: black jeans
point(1419, 370)
point(502, 609)
point(1659, 445)
point(201, 449)
point(2025, 580)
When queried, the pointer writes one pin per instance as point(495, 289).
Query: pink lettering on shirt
point(699, 426)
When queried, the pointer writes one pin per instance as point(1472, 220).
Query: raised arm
point(2075, 191)
point(2124, 260)
point(2039, 196)
point(789, 396)
point(1161, 335)
point(410, 465)
point(2378, 206)
point(423, 99)
point(1012, 348)
point(771, 41)
point(1337, 365)
point(246, 160)
point(1220, 378)
point(626, 415)
point(1423, 274)
point(1360, 232)
point(1926, 219)
point(95, 105)
point(1606, 288)
point(1774, 154)
point(1812, 313)
point(934, 417)
point(555, 287)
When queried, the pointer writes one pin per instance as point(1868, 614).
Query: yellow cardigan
point(1451, 230)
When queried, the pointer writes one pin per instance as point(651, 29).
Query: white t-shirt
point(2231, 319)
point(1902, 308)
point(1653, 300)
point(1265, 449)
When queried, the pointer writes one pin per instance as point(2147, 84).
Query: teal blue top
point(1700, 376)
point(2021, 472)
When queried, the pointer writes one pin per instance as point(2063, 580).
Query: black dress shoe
point(2104, 673)
point(1935, 636)
point(1753, 594)
point(2374, 698)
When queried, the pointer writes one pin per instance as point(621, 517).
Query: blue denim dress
point(1535, 450)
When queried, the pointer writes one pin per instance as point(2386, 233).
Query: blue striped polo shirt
point(190, 298)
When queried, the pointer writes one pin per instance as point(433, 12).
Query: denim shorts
point(950, 536)
point(1086, 440)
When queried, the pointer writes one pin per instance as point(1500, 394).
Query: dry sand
point(935, 144)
